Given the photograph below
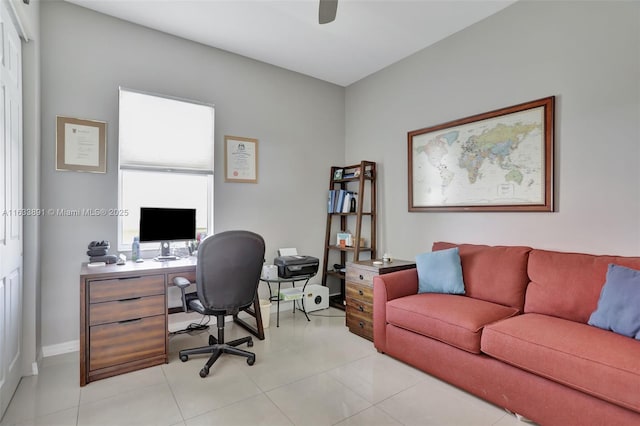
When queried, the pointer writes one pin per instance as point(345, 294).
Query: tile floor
point(306, 373)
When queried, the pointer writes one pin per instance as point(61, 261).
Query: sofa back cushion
point(568, 285)
point(496, 274)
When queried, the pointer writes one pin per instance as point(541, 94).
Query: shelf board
point(363, 249)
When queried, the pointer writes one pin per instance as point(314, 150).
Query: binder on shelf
point(340, 201)
point(332, 201)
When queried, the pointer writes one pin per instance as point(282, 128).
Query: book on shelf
point(346, 203)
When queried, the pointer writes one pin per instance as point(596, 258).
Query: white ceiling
point(366, 36)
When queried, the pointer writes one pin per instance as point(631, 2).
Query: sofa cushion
point(619, 304)
point(594, 361)
point(496, 274)
point(568, 285)
point(440, 272)
point(453, 319)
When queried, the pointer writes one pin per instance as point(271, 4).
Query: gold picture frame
point(81, 145)
point(240, 159)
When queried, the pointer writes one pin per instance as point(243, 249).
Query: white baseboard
point(61, 348)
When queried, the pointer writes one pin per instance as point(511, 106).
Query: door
point(11, 212)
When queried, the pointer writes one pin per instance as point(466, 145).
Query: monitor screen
point(167, 224)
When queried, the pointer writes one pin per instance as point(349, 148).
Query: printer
point(296, 265)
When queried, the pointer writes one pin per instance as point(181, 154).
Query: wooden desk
point(124, 316)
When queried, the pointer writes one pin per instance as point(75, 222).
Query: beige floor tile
point(136, 380)
point(370, 417)
point(255, 411)
point(317, 400)
point(432, 402)
point(153, 405)
point(377, 377)
point(62, 418)
point(226, 383)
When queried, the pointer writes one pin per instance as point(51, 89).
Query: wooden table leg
point(257, 331)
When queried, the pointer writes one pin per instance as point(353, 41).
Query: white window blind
point(165, 133)
point(165, 159)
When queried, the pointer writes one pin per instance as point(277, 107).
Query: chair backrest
point(228, 270)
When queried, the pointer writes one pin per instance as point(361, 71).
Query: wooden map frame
point(479, 122)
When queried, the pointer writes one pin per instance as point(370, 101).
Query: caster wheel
point(204, 372)
point(251, 360)
point(184, 358)
point(250, 343)
point(212, 340)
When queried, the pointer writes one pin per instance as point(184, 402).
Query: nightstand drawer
point(127, 309)
point(359, 306)
point(360, 324)
point(125, 288)
point(361, 292)
point(121, 342)
point(360, 276)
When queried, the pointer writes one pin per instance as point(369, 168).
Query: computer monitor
point(165, 225)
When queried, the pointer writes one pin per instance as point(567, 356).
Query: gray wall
point(298, 120)
point(587, 54)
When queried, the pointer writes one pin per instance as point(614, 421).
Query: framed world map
point(500, 160)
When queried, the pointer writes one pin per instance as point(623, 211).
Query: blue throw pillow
point(440, 272)
point(619, 305)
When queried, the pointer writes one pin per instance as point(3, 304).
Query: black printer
point(296, 265)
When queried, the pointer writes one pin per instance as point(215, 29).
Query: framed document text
point(497, 161)
point(240, 159)
point(81, 145)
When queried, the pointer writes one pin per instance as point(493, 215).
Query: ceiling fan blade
point(327, 11)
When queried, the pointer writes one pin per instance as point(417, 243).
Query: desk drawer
point(121, 342)
point(125, 288)
point(357, 291)
point(127, 309)
point(360, 276)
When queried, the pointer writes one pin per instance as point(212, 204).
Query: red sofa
point(519, 336)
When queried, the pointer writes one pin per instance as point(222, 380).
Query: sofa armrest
point(385, 288)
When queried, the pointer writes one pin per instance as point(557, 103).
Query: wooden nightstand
point(359, 292)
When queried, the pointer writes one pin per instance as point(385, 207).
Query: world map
point(497, 161)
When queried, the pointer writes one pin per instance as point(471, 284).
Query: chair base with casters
point(227, 277)
point(218, 347)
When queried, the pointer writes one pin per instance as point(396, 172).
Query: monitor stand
point(165, 252)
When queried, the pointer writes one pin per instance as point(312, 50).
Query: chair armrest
point(385, 288)
point(182, 283)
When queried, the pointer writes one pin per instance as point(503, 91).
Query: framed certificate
point(81, 145)
point(240, 159)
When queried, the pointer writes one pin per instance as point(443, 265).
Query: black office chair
point(227, 277)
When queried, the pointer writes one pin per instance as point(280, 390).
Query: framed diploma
point(240, 159)
point(81, 145)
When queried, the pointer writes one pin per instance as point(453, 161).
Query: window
point(165, 159)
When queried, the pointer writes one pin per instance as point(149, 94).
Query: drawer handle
point(130, 320)
point(360, 308)
point(129, 278)
point(361, 324)
point(361, 277)
point(130, 299)
point(360, 292)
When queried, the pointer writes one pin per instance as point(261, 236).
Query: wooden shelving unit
point(361, 179)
